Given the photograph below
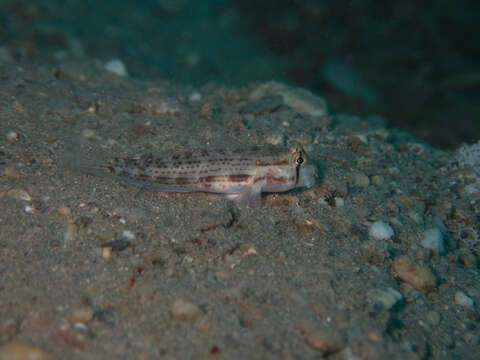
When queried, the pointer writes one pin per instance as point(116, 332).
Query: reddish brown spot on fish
point(259, 179)
point(272, 163)
point(145, 176)
point(163, 180)
point(182, 180)
point(273, 179)
point(239, 178)
point(276, 179)
point(211, 178)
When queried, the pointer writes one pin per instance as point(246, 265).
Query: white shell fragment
point(381, 230)
point(116, 67)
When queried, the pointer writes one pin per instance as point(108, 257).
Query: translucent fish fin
point(250, 197)
point(78, 158)
point(153, 186)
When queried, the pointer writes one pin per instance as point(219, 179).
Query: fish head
point(306, 173)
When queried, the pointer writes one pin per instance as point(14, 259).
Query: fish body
point(241, 174)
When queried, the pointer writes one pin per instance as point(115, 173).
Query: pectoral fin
point(251, 196)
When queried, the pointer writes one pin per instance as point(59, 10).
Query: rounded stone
point(184, 310)
point(463, 299)
point(381, 230)
point(417, 276)
point(433, 239)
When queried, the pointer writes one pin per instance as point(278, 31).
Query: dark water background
point(415, 62)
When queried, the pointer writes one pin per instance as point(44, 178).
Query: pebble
point(129, 213)
point(324, 341)
point(391, 207)
point(155, 105)
point(381, 230)
point(81, 315)
point(466, 258)
point(116, 67)
point(195, 96)
point(310, 224)
point(463, 299)
point(360, 179)
point(19, 194)
point(433, 318)
point(18, 351)
point(11, 173)
point(184, 310)
point(88, 133)
point(387, 298)
point(107, 252)
point(378, 180)
point(247, 250)
point(299, 100)
point(433, 239)
point(72, 338)
point(416, 217)
point(339, 202)
point(64, 210)
point(417, 276)
point(12, 136)
point(128, 235)
point(29, 209)
point(275, 139)
point(267, 104)
point(70, 233)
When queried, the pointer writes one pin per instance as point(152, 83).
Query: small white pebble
point(381, 230)
point(433, 239)
point(12, 136)
point(472, 189)
point(28, 209)
point(362, 138)
point(275, 139)
point(388, 298)
point(339, 202)
point(463, 300)
point(80, 327)
point(195, 96)
point(128, 235)
point(116, 67)
point(88, 133)
point(185, 310)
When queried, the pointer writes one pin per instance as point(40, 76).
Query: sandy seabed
point(91, 268)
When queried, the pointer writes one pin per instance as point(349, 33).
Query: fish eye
point(299, 160)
